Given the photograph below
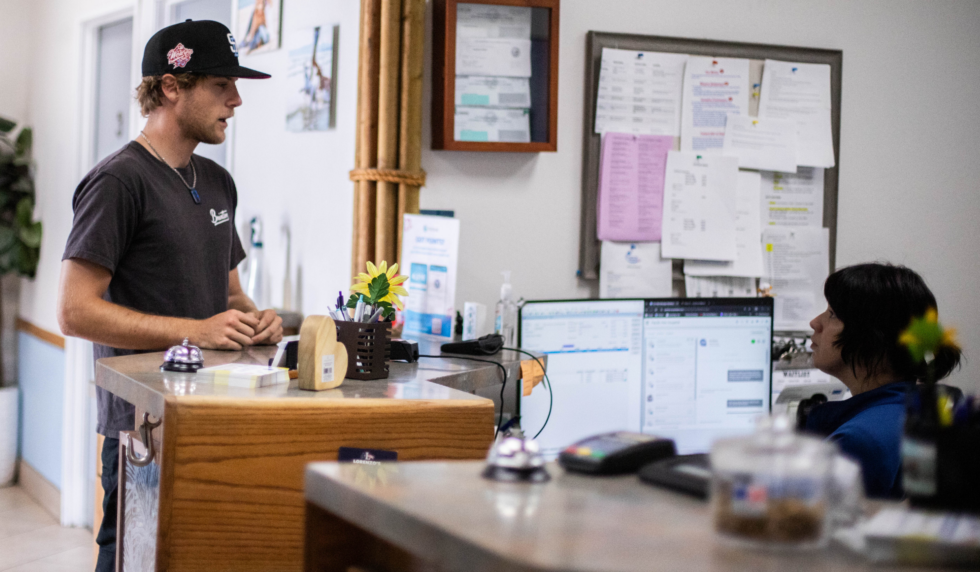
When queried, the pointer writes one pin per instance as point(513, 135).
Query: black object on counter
point(689, 474)
point(485, 346)
point(615, 453)
point(404, 350)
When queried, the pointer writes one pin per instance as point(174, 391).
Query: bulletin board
point(590, 245)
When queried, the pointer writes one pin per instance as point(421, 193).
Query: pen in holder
point(368, 348)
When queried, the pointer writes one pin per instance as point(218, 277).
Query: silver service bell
point(183, 358)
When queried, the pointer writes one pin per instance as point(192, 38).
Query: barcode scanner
point(485, 346)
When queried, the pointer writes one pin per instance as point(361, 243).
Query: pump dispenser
point(506, 320)
point(257, 288)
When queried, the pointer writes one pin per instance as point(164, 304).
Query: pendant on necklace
point(195, 196)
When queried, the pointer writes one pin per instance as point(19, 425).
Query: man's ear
point(169, 87)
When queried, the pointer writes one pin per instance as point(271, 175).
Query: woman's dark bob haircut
point(876, 302)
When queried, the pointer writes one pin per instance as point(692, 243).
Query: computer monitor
point(691, 369)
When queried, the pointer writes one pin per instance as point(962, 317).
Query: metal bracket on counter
point(145, 430)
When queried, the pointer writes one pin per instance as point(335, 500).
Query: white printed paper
point(699, 207)
point(768, 144)
point(713, 88)
point(719, 287)
point(640, 92)
point(489, 124)
point(793, 199)
point(801, 93)
point(493, 40)
point(783, 378)
point(493, 91)
point(633, 270)
point(797, 264)
point(748, 236)
point(492, 21)
point(430, 254)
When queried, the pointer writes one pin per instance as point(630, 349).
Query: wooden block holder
point(368, 348)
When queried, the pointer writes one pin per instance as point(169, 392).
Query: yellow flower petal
point(932, 315)
point(908, 339)
point(372, 270)
point(364, 277)
point(949, 338)
point(398, 304)
point(383, 268)
point(398, 290)
point(393, 271)
point(360, 288)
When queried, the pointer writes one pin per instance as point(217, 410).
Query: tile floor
point(32, 540)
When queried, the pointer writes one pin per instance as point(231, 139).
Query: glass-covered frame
point(541, 111)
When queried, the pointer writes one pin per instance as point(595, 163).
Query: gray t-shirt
point(168, 256)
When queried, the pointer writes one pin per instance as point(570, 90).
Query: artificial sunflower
point(380, 286)
point(926, 335)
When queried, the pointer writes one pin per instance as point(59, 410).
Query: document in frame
point(493, 40)
point(493, 91)
point(430, 257)
point(797, 264)
point(719, 287)
point(713, 88)
point(489, 124)
point(790, 199)
point(633, 270)
point(748, 236)
point(800, 93)
point(640, 92)
point(768, 144)
point(631, 186)
point(699, 207)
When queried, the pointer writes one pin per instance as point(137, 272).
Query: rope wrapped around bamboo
point(416, 178)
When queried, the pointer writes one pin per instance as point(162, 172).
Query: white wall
point(15, 26)
point(909, 143)
point(908, 159)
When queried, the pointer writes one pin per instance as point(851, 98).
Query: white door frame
point(77, 439)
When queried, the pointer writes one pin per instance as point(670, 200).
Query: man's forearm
point(116, 326)
point(242, 303)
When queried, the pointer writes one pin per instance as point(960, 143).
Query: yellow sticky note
point(769, 247)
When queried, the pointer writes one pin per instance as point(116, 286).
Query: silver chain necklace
point(193, 187)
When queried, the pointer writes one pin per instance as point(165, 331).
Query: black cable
point(503, 370)
point(551, 393)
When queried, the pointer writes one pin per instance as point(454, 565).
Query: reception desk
point(225, 488)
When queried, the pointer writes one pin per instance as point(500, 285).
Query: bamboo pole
point(387, 205)
point(410, 133)
point(366, 150)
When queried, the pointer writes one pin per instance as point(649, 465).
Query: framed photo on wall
point(259, 26)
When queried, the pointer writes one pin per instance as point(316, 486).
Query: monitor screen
point(690, 369)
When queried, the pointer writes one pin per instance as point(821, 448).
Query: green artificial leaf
point(25, 211)
point(31, 235)
point(27, 262)
point(352, 301)
point(6, 125)
point(25, 139)
point(378, 288)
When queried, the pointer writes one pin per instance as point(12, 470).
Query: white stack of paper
point(768, 144)
point(748, 236)
point(633, 270)
point(699, 207)
point(244, 375)
point(493, 64)
point(719, 287)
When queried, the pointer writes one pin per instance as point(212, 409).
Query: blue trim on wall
point(41, 377)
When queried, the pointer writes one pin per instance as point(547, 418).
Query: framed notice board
point(589, 245)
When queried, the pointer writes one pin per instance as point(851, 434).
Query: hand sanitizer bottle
point(256, 287)
point(506, 321)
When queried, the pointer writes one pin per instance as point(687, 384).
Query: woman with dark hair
point(856, 341)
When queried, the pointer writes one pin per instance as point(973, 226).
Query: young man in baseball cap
point(152, 254)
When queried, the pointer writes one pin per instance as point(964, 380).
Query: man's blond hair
point(149, 93)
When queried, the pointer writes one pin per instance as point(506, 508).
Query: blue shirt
point(868, 428)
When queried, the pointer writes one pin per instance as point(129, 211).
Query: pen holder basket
point(368, 348)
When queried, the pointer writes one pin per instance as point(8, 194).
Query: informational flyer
point(493, 40)
point(768, 144)
point(719, 287)
point(790, 199)
point(430, 256)
point(633, 270)
point(640, 92)
point(801, 93)
point(699, 207)
point(797, 264)
point(713, 88)
point(631, 186)
point(748, 236)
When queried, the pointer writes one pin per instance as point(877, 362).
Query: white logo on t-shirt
point(218, 218)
